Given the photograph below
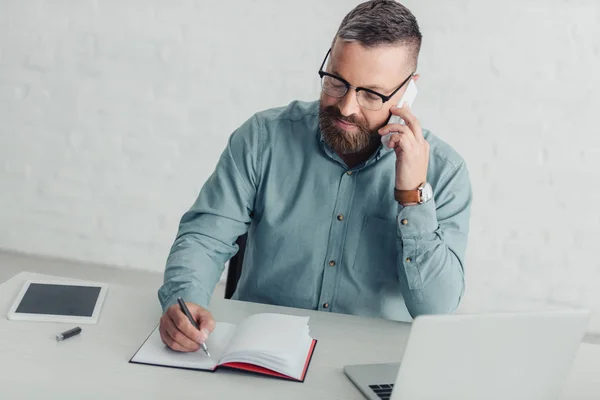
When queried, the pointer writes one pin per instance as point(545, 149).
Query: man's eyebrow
point(376, 88)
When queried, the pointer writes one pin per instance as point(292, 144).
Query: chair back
point(235, 267)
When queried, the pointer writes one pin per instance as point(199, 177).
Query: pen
point(68, 334)
point(185, 310)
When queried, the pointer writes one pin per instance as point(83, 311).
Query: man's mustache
point(334, 112)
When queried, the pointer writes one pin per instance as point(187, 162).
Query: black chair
point(235, 267)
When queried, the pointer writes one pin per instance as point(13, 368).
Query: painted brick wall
point(113, 114)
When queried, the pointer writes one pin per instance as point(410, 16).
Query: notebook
point(278, 345)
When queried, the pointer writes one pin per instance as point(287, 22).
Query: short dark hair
point(381, 22)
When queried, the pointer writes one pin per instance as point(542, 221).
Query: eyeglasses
point(336, 86)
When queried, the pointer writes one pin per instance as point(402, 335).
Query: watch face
point(426, 192)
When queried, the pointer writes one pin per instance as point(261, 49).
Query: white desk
point(95, 364)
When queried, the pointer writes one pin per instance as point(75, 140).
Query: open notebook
point(272, 344)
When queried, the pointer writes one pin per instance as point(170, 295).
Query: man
point(336, 221)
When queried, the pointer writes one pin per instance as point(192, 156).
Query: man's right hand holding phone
point(179, 334)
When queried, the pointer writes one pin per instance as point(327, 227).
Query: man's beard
point(338, 139)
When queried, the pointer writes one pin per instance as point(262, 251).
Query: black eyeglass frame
point(384, 98)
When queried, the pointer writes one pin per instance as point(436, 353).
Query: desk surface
point(95, 363)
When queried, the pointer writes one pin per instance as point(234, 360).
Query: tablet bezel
point(93, 319)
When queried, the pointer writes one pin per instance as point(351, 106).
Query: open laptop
point(516, 356)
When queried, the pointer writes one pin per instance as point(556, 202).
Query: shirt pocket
point(377, 254)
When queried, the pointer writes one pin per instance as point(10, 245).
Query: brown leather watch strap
point(407, 196)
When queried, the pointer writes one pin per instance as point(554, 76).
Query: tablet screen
point(52, 299)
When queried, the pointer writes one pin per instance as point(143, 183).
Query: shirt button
point(404, 221)
point(326, 305)
point(408, 259)
point(340, 217)
point(349, 173)
point(331, 263)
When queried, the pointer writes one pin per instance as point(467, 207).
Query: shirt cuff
point(189, 295)
point(417, 220)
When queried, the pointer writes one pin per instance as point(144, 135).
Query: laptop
point(499, 356)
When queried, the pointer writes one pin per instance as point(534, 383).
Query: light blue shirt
point(322, 236)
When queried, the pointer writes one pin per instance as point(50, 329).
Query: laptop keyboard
point(383, 391)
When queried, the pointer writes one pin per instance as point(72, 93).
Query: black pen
point(185, 310)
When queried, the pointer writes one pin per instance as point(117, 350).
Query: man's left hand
point(412, 150)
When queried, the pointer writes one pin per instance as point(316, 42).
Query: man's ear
point(416, 77)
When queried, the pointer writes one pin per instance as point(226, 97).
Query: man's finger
point(394, 141)
point(184, 325)
point(393, 128)
point(180, 338)
point(402, 141)
point(410, 120)
point(207, 322)
point(168, 340)
point(403, 132)
point(400, 129)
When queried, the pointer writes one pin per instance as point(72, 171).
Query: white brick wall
point(113, 114)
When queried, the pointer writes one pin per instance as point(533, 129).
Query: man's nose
point(348, 104)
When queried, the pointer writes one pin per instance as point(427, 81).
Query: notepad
point(272, 344)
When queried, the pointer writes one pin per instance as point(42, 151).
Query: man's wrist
point(421, 194)
point(191, 295)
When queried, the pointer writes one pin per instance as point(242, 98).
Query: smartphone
point(408, 97)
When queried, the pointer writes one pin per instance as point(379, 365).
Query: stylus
point(68, 334)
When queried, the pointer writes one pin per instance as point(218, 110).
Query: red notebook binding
point(264, 371)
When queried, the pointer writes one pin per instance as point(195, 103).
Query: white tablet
point(59, 301)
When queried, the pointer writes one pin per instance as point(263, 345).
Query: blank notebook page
point(269, 333)
point(154, 351)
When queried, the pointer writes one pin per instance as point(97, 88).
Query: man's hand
point(412, 150)
point(179, 334)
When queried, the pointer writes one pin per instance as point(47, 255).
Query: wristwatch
point(420, 195)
